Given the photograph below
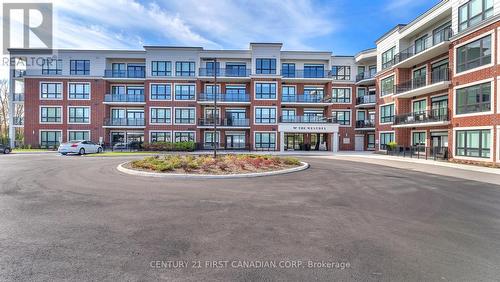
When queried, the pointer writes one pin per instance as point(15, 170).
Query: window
point(387, 113)
point(265, 115)
point(185, 116)
point(185, 92)
point(50, 91)
point(387, 86)
point(50, 139)
point(371, 141)
point(79, 67)
point(160, 115)
point(419, 78)
point(341, 72)
point(418, 139)
point(341, 95)
point(161, 92)
point(439, 71)
point(265, 91)
point(386, 138)
point(236, 69)
point(161, 68)
point(419, 106)
point(474, 99)
point(50, 115)
point(361, 92)
point(210, 139)
point(388, 58)
point(474, 12)
point(265, 66)
point(161, 136)
point(79, 115)
point(78, 135)
point(441, 33)
point(361, 70)
point(373, 72)
point(184, 136)
point(288, 70)
point(473, 143)
point(316, 71)
point(184, 68)
point(212, 68)
point(51, 66)
point(212, 89)
point(79, 91)
point(421, 44)
point(474, 54)
point(288, 93)
point(287, 115)
point(265, 140)
point(342, 117)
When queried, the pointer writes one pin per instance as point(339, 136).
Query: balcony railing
point(124, 122)
point(367, 99)
point(439, 75)
point(231, 72)
point(434, 115)
point(365, 124)
point(18, 73)
point(18, 97)
point(240, 122)
point(418, 151)
point(222, 146)
point(305, 99)
point(365, 75)
point(18, 120)
point(443, 35)
point(125, 73)
point(306, 73)
point(306, 119)
point(206, 97)
point(124, 98)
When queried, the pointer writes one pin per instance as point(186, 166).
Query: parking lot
point(78, 218)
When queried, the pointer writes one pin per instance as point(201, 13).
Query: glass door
point(235, 141)
point(419, 78)
point(418, 141)
point(439, 107)
point(236, 117)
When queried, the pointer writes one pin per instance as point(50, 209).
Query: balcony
point(306, 99)
point(365, 124)
point(434, 117)
point(431, 47)
point(18, 97)
point(306, 119)
point(124, 74)
point(226, 122)
point(366, 101)
point(18, 73)
point(231, 72)
point(18, 121)
point(124, 122)
point(365, 78)
point(128, 99)
point(439, 80)
point(208, 98)
point(306, 74)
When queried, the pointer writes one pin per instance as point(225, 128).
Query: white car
point(80, 147)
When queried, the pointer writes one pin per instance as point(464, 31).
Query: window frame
point(386, 63)
point(57, 143)
point(335, 115)
point(176, 119)
point(468, 86)
point(275, 97)
point(69, 131)
point(335, 98)
point(456, 148)
point(47, 70)
point(346, 72)
point(166, 72)
point(273, 133)
point(190, 132)
point(73, 67)
point(261, 118)
point(179, 68)
point(82, 118)
point(483, 15)
point(382, 93)
point(168, 96)
point(271, 70)
point(41, 118)
point(168, 120)
point(182, 85)
point(159, 131)
point(466, 65)
point(84, 95)
point(59, 95)
point(382, 118)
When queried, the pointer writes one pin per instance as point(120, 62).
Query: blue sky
point(342, 26)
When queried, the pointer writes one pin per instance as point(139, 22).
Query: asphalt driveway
point(78, 218)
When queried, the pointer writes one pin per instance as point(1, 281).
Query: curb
point(123, 169)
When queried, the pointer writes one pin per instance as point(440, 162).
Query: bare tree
point(4, 108)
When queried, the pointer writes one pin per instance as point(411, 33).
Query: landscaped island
point(222, 165)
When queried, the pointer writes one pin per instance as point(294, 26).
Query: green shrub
point(169, 146)
point(291, 161)
point(392, 145)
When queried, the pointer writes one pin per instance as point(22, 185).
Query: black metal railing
point(18, 97)
point(306, 119)
point(313, 73)
point(229, 122)
point(365, 75)
point(125, 73)
point(438, 75)
point(367, 99)
point(434, 115)
point(18, 73)
point(207, 97)
point(418, 151)
point(441, 36)
point(124, 122)
point(365, 124)
point(125, 98)
point(18, 121)
point(305, 99)
point(227, 72)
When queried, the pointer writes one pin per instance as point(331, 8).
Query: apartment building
point(430, 86)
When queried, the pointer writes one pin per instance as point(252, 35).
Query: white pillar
point(335, 142)
point(282, 141)
point(12, 130)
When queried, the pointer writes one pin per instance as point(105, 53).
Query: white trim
point(166, 131)
point(454, 142)
point(493, 56)
point(49, 130)
point(49, 106)
point(191, 84)
point(183, 131)
point(380, 115)
point(155, 107)
point(275, 138)
point(266, 107)
point(380, 143)
point(265, 82)
point(164, 83)
point(217, 134)
point(51, 82)
point(492, 89)
point(343, 110)
point(195, 115)
point(380, 86)
point(77, 130)
point(418, 131)
point(90, 115)
point(417, 100)
point(74, 82)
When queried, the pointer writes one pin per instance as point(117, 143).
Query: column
point(335, 142)
point(282, 141)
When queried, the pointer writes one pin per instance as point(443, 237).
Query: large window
point(161, 136)
point(161, 92)
point(265, 91)
point(78, 115)
point(315, 71)
point(474, 54)
point(473, 143)
point(387, 86)
point(265, 115)
point(161, 68)
point(473, 12)
point(51, 66)
point(474, 99)
point(185, 92)
point(388, 58)
point(50, 90)
point(386, 138)
point(236, 69)
point(184, 136)
point(184, 68)
point(342, 117)
point(79, 91)
point(288, 93)
point(265, 66)
point(50, 115)
point(341, 95)
point(387, 113)
point(341, 72)
point(78, 135)
point(288, 70)
point(185, 115)
point(160, 115)
point(50, 139)
point(265, 140)
point(79, 67)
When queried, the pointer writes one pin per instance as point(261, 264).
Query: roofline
point(396, 28)
point(365, 51)
point(172, 47)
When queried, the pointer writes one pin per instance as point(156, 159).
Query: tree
point(4, 109)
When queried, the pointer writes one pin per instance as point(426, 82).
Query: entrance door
point(359, 143)
point(235, 141)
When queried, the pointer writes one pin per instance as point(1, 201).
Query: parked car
point(133, 145)
point(5, 149)
point(80, 147)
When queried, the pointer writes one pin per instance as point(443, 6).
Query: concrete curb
point(123, 169)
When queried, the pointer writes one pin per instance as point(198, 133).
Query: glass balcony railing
point(427, 43)
point(439, 75)
point(367, 99)
point(434, 115)
point(306, 73)
point(124, 98)
point(365, 75)
point(208, 97)
point(305, 99)
point(236, 122)
point(124, 122)
point(125, 73)
point(227, 72)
